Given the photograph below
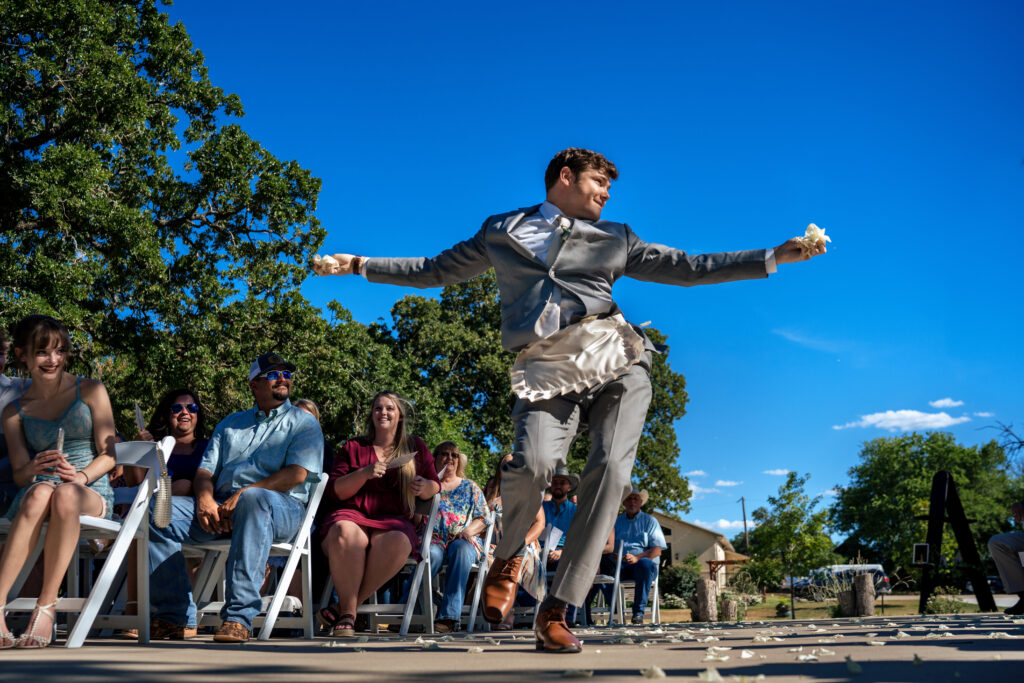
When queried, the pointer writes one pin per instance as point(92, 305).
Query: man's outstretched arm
point(658, 263)
point(462, 262)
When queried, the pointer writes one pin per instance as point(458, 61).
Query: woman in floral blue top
point(461, 517)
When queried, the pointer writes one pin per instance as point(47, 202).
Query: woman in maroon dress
point(367, 526)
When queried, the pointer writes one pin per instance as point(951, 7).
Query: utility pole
point(746, 536)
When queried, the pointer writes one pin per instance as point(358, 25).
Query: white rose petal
point(813, 235)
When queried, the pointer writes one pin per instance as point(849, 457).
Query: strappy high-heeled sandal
point(7, 639)
point(30, 640)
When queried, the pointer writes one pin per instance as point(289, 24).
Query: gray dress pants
point(1005, 550)
point(614, 413)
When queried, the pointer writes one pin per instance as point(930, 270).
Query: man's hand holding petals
point(338, 264)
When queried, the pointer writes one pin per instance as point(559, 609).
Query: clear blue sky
point(895, 126)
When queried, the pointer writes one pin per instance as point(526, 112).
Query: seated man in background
point(1006, 550)
point(559, 510)
point(643, 542)
point(252, 487)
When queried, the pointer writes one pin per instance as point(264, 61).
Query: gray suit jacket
point(585, 263)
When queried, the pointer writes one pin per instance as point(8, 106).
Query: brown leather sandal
point(345, 627)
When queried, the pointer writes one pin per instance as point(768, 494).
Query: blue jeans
point(261, 518)
point(460, 556)
point(642, 574)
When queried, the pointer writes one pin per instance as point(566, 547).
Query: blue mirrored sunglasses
point(191, 407)
point(276, 374)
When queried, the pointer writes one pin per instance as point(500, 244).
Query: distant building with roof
point(684, 538)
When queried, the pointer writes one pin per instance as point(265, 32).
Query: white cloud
point(945, 403)
point(809, 342)
point(905, 420)
point(723, 524)
point(699, 490)
point(696, 473)
point(726, 482)
point(984, 414)
point(829, 492)
point(778, 473)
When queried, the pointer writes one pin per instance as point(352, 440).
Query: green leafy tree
point(134, 208)
point(790, 535)
point(765, 573)
point(891, 485)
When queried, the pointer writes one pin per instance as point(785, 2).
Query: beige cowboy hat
point(574, 479)
point(638, 491)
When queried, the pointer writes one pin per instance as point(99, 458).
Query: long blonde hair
point(403, 444)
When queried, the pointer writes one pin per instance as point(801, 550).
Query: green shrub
point(680, 579)
point(945, 601)
point(669, 601)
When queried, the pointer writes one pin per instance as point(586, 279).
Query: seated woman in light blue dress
point(57, 485)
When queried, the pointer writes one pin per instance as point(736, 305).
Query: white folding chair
point(613, 580)
point(135, 526)
point(551, 535)
point(297, 552)
point(420, 586)
point(481, 566)
point(653, 600)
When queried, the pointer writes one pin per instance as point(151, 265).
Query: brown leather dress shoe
point(553, 634)
point(231, 632)
point(500, 587)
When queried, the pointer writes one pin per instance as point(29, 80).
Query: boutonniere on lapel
point(565, 226)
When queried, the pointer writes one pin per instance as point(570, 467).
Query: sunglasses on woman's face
point(447, 455)
point(190, 407)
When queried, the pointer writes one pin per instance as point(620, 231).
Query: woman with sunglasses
point(181, 415)
point(462, 515)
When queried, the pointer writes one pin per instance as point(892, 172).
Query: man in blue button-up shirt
point(252, 485)
point(643, 542)
point(559, 511)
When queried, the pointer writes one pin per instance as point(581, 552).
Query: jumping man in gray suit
point(555, 265)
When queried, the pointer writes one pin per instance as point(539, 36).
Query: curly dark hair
point(158, 423)
point(578, 160)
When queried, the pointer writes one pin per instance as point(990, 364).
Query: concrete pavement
point(951, 648)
